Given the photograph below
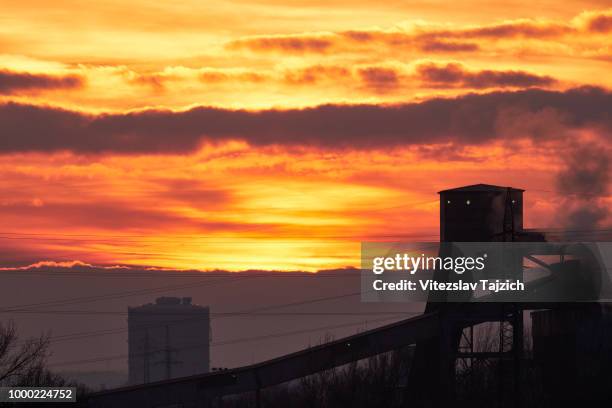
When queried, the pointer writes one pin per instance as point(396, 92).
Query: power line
point(119, 330)
point(227, 342)
point(123, 294)
point(244, 312)
point(214, 314)
point(147, 291)
point(118, 295)
point(226, 314)
point(232, 314)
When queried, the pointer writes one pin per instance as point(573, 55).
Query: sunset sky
point(278, 135)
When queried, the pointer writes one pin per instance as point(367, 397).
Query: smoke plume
point(584, 183)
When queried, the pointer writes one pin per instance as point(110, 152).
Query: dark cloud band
point(466, 120)
point(454, 74)
point(12, 82)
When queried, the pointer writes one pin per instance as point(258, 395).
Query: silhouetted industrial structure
point(167, 339)
point(443, 334)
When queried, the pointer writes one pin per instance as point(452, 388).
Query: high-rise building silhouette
point(168, 339)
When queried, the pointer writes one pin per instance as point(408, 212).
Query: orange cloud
point(216, 76)
point(14, 82)
point(521, 28)
point(290, 44)
point(335, 64)
point(436, 46)
point(454, 74)
point(430, 38)
point(316, 73)
point(380, 79)
point(597, 22)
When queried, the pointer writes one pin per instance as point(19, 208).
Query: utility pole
point(146, 358)
point(168, 360)
point(147, 353)
point(168, 355)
